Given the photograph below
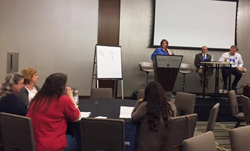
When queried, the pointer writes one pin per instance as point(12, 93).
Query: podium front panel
point(166, 69)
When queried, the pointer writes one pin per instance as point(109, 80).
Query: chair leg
point(183, 86)
point(237, 124)
point(147, 79)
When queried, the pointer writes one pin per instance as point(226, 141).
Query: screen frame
point(194, 48)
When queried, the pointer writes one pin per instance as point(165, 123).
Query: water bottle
point(212, 58)
point(76, 97)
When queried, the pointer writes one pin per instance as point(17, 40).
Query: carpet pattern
point(221, 133)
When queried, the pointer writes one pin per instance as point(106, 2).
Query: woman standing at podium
point(152, 113)
point(163, 50)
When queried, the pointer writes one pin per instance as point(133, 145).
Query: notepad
point(125, 111)
point(85, 114)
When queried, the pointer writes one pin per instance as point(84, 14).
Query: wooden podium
point(166, 69)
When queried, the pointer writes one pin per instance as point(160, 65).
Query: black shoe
point(235, 89)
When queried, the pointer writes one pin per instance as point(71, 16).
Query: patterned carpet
point(220, 132)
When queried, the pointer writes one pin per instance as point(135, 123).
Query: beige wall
point(51, 36)
point(60, 36)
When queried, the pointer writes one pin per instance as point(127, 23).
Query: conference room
point(61, 36)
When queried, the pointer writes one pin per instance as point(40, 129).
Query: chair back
point(245, 107)
point(233, 103)
point(204, 142)
point(243, 70)
point(1, 138)
point(101, 93)
point(146, 66)
point(140, 94)
point(185, 103)
point(213, 117)
point(17, 132)
point(239, 138)
point(102, 134)
point(179, 128)
point(186, 68)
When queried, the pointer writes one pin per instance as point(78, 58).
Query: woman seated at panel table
point(153, 113)
point(163, 50)
point(50, 110)
point(8, 100)
point(30, 88)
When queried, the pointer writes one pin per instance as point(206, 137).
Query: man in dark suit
point(203, 56)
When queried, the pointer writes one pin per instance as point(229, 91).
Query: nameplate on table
point(168, 61)
point(125, 111)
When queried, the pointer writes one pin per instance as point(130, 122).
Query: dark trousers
point(226, 72)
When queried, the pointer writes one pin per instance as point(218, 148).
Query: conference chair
point(101, 93)
point(185, 103)
point(204, 142)
point(146, 67)
point(17, 132)
point(140, 94)
point(102, 134)
point(246, 108)
point(185, 69)
point(179, 128)
point(239, 116)
point(239, 138)
point(1, 138)
point(212, 119)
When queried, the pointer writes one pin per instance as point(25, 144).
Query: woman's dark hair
point(163, 40)
point(54, 86)
point(158, 106)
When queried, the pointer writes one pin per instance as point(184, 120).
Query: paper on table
point(125, 111)
point(103, 117)
point(85, 114)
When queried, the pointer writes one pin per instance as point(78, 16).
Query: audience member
point(152, 113)
point(203, 56)
point(8, 100)
point(237, 63)
point(163, 50)
point(50, 110)
point(30, 88)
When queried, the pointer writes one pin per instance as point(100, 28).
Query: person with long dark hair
point(50, 110)
point(8, 100)
point(152, 112)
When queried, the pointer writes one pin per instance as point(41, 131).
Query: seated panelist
point(163, 50)
point(237, 63)
point(203, 56)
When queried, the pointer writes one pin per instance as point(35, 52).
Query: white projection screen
point(195, 23)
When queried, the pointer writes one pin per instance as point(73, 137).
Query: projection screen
point(194, 23)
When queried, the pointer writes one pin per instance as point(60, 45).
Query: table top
point(109, 108)
point(216, 62)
